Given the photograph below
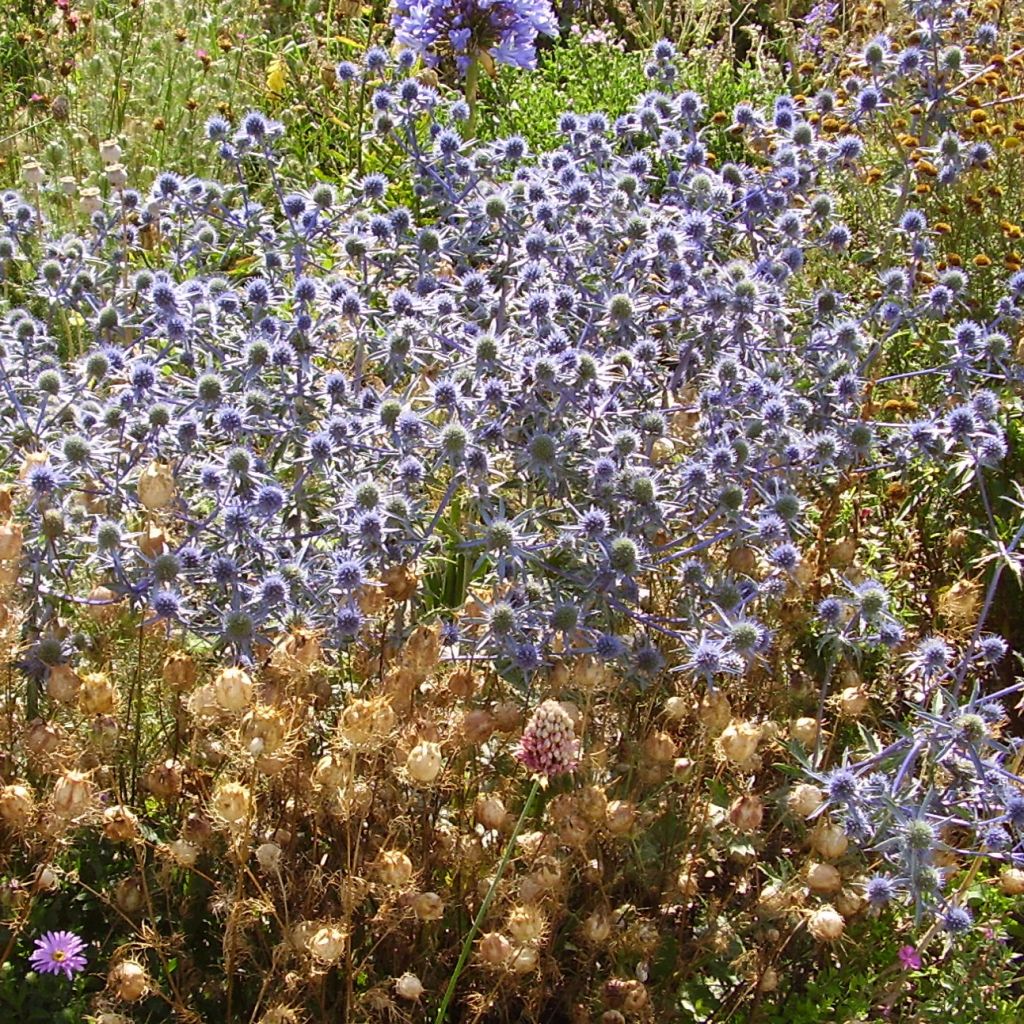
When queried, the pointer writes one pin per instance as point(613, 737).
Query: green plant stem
point(472, 96)
point(467, 943)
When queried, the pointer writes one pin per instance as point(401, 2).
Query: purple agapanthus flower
point(59, 952)
point(444, 32)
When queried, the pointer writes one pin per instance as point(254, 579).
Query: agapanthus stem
point(467, 944)
point(472, 95)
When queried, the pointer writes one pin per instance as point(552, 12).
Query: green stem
point(467, 944)
point(472, 95)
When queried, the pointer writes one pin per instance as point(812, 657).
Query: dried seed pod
point(128, 981)
point(395, 869)
point(72, 795)
point(494, 949)
point(805, 731)
point(596, 927)
point(16, 805)
point(620, 817)
point(233, 689)
point(180, 671)
point(409, 987)
point(527, 924)
point(327, 944)
point(490, 812)
point(156, 487)
point(823, 878)
point(826, 924)
point(428, 906)
point(164, 780)
point(268, 856)
point(804, 799)
point(424, 762)
point(62, 684)
point(231, 804)
point(1011, 881)
point(98, 695)
point(738, 741)
point(829, 841)
point(119, 824)
point(746, 813)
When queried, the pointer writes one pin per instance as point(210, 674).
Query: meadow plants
point(329, 518)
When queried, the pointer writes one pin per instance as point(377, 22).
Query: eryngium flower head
point(549, 745)
point(58, 953)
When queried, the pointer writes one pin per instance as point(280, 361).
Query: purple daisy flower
point(58, 952)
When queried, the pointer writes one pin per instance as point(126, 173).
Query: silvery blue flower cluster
point(575, 375)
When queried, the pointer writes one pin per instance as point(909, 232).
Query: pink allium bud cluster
point(549, 745)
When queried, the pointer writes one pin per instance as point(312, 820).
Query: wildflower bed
point(329, 519)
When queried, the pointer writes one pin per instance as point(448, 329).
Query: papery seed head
point(826, 924)
point(128, 981)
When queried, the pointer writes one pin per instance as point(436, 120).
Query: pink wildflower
point(549, 745)
point(909, 958)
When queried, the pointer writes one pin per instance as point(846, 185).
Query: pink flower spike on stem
point(549, 746)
